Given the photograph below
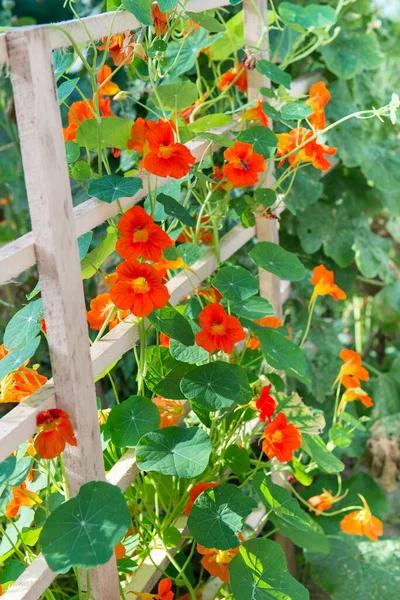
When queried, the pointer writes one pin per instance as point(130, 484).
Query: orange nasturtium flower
point(280, 439)
point(100, 308)
point(272, 322)
point(110, 88)
point(216, 562)
point(140, 236)
point(352, 367)
point(265, 404)
point(56, 432)
point(19, 384)
point(195, 492)
point(121, 47)
point(353, 392)
point(229, 76)
point(139, 288)
point(170, 411)
point(243, 165)
point(220, 331)
point(160, 19)
point(222, 184)
point(210, 293)
point(165, 156)
point(311, 152)
point(81, 111)
point(139, 131)
point(165, 265)
point(323, 280)
point(119, 551)
point(256, 113)
point(164, 591)
point(323, 501)
point(361, 522)
point(319, 98)
point(21, 497)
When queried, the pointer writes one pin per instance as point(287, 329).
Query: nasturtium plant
point(247, 382)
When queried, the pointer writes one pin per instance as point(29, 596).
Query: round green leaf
point(296, 110)
point(83, 531)
point(81, 171)
point(192, 355)
point(115, 133)
point(24, 325)
point(259, 572)
point(173, 208)
point(235, 283)
point(111, 187)
point(265, 196)
point(7, 468)
point(132, 419)
point(176, 96)
point(172, 537)
point(212, 386)
point(217, 516)
point(253, 308)
point(274, 73)
point(173, 451)
point(263, 139)
point(18, 356)
point(279, 500)
point(209, 121)
point(170, 322)
point(237, 459)
point(281, 353)
point(72, 151)
point(274, 259)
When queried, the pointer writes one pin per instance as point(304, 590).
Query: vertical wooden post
point(50, 205)
point(256, 30)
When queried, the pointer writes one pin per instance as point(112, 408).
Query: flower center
point(165, 151)
point(277, 437)
point(223, 557)
point(218, 328)
point(140, 285)
point(140, 235)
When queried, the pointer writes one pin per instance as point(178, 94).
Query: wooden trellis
point(52, 244)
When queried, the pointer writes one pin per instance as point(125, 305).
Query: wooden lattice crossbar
point(52, 245)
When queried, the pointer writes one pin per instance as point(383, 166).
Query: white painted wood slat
point(50, 206)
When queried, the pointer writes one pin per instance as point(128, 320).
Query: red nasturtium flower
point(109, 88)
point(139, 288)
point(265, 404)
point(100, 308)
point(319, 98)
point(216, 562)
point(164, 340)
point(272, 322)
point(21, 383)
point(21, 497)
point(170, 411)
point(361, 522)
point(164, 591)
point(229, 76)
point(166, 157)
point(195, 492)
point(352, 367)
point(140, 236)
point(220, 331)
point(281, 439)
point(323, 501)
point(56, 432)
point(121, 47)
point(81, 111)
point(323, 280)
point(256, 113)
point(311, 152)
point(243, 165)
